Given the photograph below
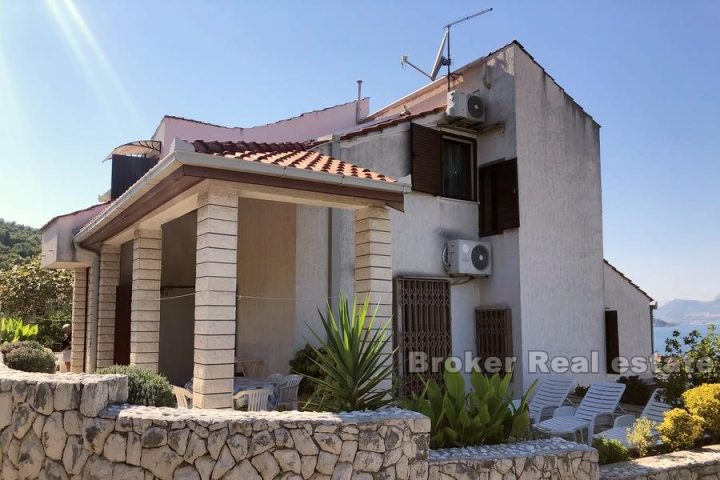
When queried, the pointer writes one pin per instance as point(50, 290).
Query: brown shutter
point(426, 159)
point(507, 195)
point(612, 342)
point(498, 188)
point(493, 334)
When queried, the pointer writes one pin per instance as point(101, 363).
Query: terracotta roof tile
point(295, 155)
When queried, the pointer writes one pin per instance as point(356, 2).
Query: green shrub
point(484, 416)
point(636, 392)
point(50, 333)
point(304, 363)
point(144, 386)
point(354, 359)
point(6, 348)
point(704, 401)
point(690, 361)
point(14, 330)
point(680, 429)
point(30, 358)
point(580, 390)
point(610, 450)
point(641, 436)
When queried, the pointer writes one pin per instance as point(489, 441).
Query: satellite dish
point(439, 59)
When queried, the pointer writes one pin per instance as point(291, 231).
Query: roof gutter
point(183, 153)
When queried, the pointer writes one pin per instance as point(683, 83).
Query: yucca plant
point(353, 359)
point(482, 417)
point(14, 330)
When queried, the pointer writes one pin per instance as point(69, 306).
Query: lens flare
point(96, 67)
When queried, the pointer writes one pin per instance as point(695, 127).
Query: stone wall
point(540, 459)
point(699, 464)
point(76, 426)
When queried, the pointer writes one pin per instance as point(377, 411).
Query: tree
point(31, 293)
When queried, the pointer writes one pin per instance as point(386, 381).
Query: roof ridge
point(318, 110)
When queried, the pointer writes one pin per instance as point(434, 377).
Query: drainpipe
point(358, 117)
point(92, 258)
point(334, 233)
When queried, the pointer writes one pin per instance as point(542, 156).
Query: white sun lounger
point(551, 393)
point(654, 410)
point(601, 399)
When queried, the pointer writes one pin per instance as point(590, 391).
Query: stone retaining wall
point(699, 464)
point(554, 458)
point(75, 426)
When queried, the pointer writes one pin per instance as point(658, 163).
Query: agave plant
point(353, 358)
point(484, 416)
point(14, 330)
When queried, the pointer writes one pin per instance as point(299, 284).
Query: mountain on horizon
point(690, 311)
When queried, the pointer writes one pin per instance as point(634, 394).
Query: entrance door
point(122, 325)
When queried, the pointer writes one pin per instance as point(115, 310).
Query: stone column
point(145, 304)
point(373, 267)
point(79, 309)
point(215, 299)
point(109, 281)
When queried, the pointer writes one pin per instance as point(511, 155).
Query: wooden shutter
point(493, 334)
point(507, 195)
point(422, 324)
point(498, 188)
point(612, 340)
point(426, 159)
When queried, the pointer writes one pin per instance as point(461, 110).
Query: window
point(441, 164)
point(457, 171)
point(493, 334)
point(498, 192)
point(422, 328)
point(612, 340)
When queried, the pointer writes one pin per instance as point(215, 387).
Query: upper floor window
point(457, 169)
point(441, 164)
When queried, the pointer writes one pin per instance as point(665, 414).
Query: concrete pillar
point(79, 309)
point(215, 299)
point(109, 280)
point(145, 304)
point(373, 267)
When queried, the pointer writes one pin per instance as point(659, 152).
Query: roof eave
point(181, 156)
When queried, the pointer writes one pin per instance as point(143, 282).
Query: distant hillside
point(17, 243)
point(690, 311)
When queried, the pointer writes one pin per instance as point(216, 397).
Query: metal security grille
point(422, 325)
point(493, 334)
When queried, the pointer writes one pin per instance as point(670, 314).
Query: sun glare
point(97, 68)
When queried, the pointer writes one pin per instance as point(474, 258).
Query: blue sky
point(78, 78)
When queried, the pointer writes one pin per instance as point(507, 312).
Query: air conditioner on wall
point(465, 108)
point(468, 257)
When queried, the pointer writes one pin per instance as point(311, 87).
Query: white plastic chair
point(654, 410)
point(288, 392)
point(275, 378)
point(600, 400)
point(183, 396)
point(257, 400)
point(550, 394)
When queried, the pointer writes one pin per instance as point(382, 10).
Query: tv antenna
point(440, 59)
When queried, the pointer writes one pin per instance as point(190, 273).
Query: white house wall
point(633, 310)
point(421, 232)
point(266, 281)
point(560, 235)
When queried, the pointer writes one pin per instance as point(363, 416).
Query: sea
point(661, 333)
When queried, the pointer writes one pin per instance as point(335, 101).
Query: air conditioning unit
point(465, 108)
point(467, 257)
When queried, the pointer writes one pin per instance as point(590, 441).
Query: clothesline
point(250, 297)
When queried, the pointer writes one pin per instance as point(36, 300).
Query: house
point(219, 244)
